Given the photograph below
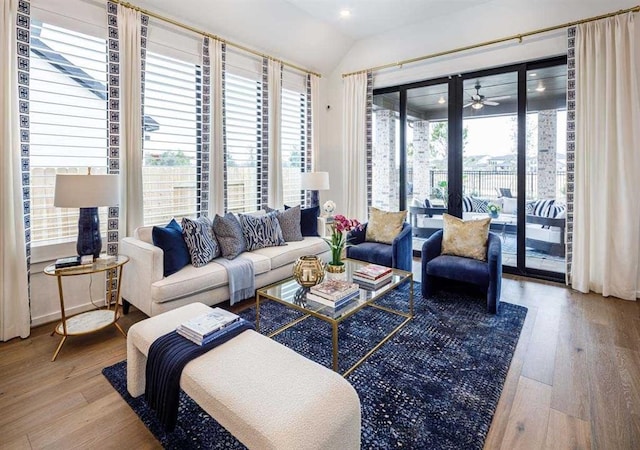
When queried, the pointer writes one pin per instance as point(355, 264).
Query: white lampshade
point(86, 191)
point(315, 181)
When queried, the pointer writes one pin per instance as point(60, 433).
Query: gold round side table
point(94, 320)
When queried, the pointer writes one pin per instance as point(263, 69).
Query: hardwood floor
point(574, 381)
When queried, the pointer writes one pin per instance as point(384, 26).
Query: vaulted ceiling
point(307, 32)
point(312, 33)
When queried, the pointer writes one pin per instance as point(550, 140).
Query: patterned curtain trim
point(309, 150)
point(113, 129)
point(23, 35)
point(204, 125)
point(263, 140)
point(571, 146)
point(369, 137)
point(224, 126)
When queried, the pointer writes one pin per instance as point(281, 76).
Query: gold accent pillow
point(465, 238)
point(384, 226)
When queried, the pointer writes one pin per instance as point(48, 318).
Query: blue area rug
point(434, 385)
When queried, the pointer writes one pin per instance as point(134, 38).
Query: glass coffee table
point(292, 295)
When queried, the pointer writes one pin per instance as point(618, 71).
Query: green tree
point(168, 158)
point(439, 139)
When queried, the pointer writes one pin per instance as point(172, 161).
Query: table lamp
point(314, 182)
point(87, 192)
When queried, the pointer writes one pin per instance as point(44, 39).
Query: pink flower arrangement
point(338, 241)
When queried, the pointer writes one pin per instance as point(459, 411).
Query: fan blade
point(502, 97)
point(468, 104)
point(490, 103)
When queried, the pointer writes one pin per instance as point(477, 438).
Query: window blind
point(68, 121)
point(170, 144)
point(243, 95)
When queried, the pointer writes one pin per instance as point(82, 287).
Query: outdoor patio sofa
point(544, 233)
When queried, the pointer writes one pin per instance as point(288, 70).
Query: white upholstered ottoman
point(265, 394)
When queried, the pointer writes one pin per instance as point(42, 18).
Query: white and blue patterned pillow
point(202, 244)
point(261, 231)
point(480, 205)
point(467, 204)
point(543, 208)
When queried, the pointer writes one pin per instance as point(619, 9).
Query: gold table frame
point(96, 317)
point(367, 299)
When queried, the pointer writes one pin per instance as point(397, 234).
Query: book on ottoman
point(205, 327)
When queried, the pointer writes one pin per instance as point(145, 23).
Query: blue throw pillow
point(169, 239)
point(309, 220)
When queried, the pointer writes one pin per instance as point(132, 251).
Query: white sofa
point(144, 286)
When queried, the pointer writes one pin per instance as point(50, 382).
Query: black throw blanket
point(167, 357)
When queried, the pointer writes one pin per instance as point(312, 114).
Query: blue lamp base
point(89, 240)
point(314, 200)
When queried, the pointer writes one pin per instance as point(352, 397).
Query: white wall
point(498, 19)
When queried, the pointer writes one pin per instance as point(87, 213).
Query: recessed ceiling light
point(532, 74)
point(344, 13)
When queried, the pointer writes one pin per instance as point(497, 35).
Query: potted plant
point(493, 210)
point(338, 241)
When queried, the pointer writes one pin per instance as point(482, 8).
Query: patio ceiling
point(423, 102)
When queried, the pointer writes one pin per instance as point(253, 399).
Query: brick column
point(547, 129)
point(421, 173)
point(385, 188)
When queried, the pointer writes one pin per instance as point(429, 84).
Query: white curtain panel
point(606, 243)
point(14, 291)
point(354, 143)
point(217, 143)
point(276, 195)
point(131, 206)
point(315, 119)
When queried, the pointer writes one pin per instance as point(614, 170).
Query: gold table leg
point(335, 346)
point(55, 355)
point(258, 312)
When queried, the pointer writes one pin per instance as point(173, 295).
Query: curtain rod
point(209, 35)
point(494, 41)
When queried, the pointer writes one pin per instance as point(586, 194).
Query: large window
point(243, 102)
point(68, 122)
point(170, 145)
point(293, 144)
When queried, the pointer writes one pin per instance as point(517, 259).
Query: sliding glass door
point(427, 151)
point(490, 156)
point(482, 144)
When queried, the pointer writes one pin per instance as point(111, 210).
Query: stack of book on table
point(207, 327)
point(372, 276)
point(334, 293)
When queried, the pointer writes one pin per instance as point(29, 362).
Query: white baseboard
point(55, 316)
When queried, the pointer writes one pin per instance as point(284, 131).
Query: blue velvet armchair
point(397, 255)
point(439, 270)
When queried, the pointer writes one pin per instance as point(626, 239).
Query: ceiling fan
point(478, 100)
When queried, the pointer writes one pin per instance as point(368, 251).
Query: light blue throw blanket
point(242, 282)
